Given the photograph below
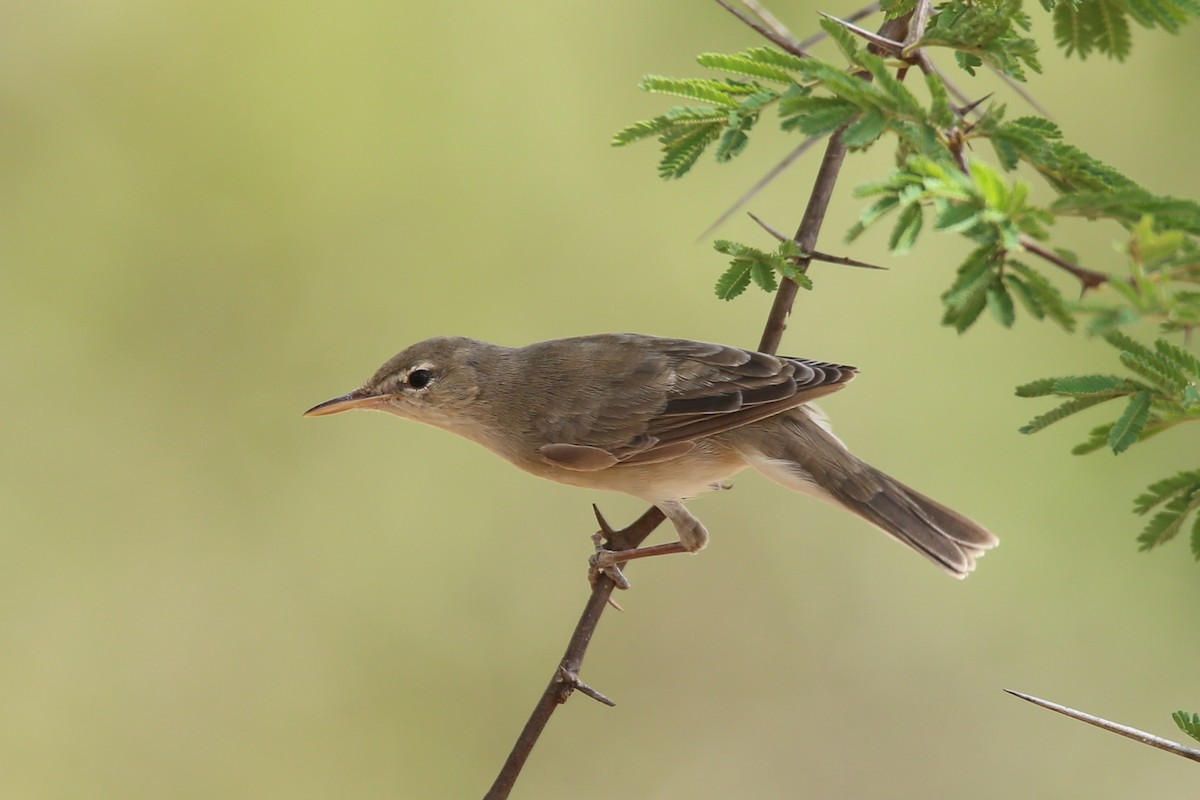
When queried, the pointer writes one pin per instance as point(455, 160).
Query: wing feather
point(673, 392)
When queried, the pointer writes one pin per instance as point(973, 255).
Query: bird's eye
point(419, 378)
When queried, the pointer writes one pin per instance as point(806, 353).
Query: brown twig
point(1114, 727)
point(815, 255)
point(1089, 279)
point(779, 41)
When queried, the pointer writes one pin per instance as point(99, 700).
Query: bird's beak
point(359, 398)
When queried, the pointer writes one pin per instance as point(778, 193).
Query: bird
point(661, 419)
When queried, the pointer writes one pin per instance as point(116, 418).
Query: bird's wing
point(673, 392)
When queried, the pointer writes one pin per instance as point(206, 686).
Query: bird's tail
point(803, 455)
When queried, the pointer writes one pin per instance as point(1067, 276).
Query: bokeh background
point(218, 214)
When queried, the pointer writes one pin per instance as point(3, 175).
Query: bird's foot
point(605, 562)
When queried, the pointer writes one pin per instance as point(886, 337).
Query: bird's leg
point(693, 537)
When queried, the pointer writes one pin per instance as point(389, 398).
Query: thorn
point(760, 184)
point(816, 255)
point(817, 38)
point(766, 227)
point(605, 528)
point(962, 111)
point(1113, 727)
point(572, 680)
point(882, 42)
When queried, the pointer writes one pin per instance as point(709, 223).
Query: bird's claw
point(604, 562)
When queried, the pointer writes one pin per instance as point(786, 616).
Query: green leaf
point(1040, 125)
point(1063, 411)
point(1101, 25)
point(1166, 524)
point(894, 9)
point(640, 130)
point(941, 113)
point(1092, 384)
point(1178, 356)
point(764, 276)
point(732, 143)
point(1038, 388)
point(778, 58)
point(752, 264)
point(1196, 539)
point(734, 280)
point(1131, 423)
point(790, 248)
point(1048, 297)
point(991, 185)
point(744, 65)
point(843, 38)
point(1000, 303)
point(891, 94)
point(1161, 529)
point(1189, 725)
point(1097, 439)
point(1123, 342)
point(957, 217)
point(708, 91)
point(966, 297)
point(1028, 300)
point(681, 154)
point(1166, 379)
point(815, 116)
point(1126, 202)
point(1163, 490)
point(866, 129)
point(1113, 29)
point(908, 227)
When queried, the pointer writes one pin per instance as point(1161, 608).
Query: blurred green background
point(218, 214)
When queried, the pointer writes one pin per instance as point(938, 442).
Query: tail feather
point(809, 459)
point(946, 537)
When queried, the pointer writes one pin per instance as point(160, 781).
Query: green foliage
point(985, 32)
point(993, 213)
point(1176, 498)
point(1164, 266)
point(942, 183)
point(894, 9)
point(1081, 26)
point(1189, 725)
point(1131, 203)
point(734, 106)
point(1162, 394)
point(752, 264)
